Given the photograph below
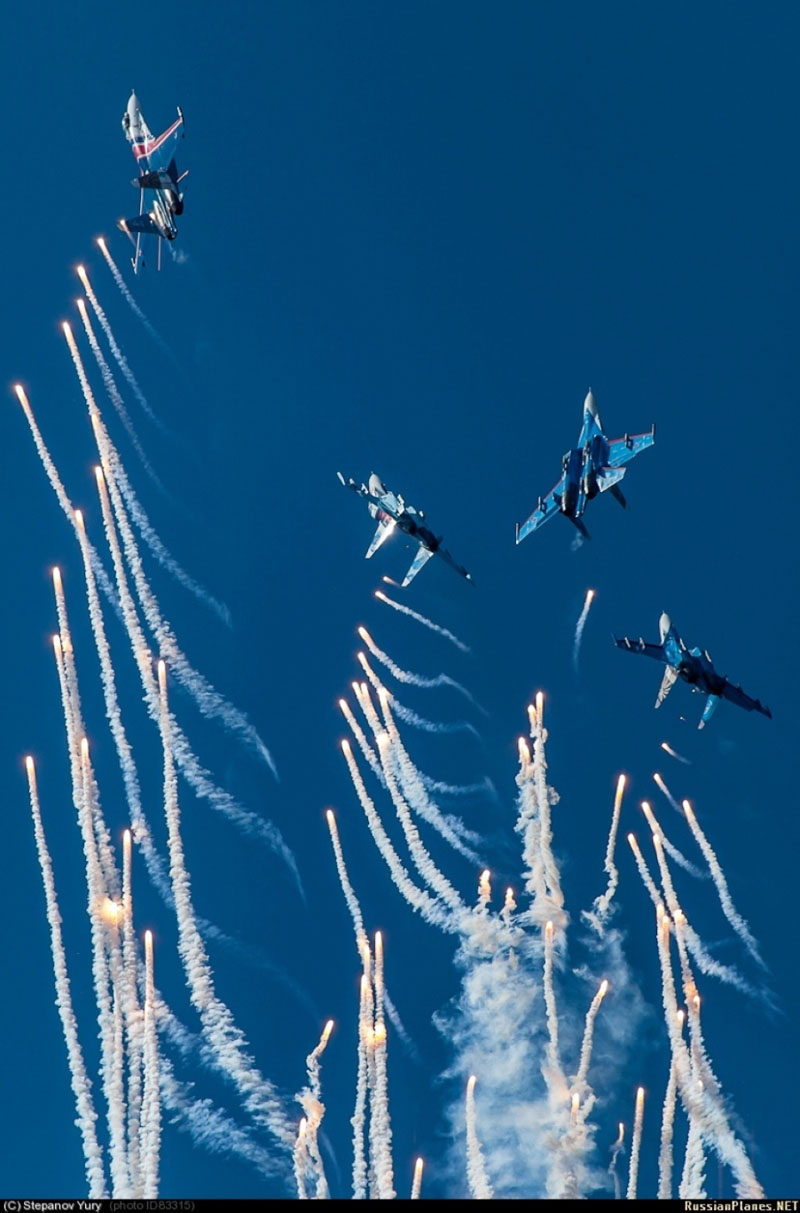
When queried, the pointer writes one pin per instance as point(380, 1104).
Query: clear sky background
point(414, 236)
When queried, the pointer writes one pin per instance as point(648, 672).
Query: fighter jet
point(693, 666)
point(594, 465)
point(158, 177)
point(393, 514)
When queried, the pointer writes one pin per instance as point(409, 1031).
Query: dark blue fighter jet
point(392, 513)
point(594, 465)
point(693, 666)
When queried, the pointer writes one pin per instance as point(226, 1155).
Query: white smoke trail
point(707, 963)
point(479, 1186)
point(141, 829)
point(428, 623)
point(430, 908)
point(430, 873)
point(700, 1103)
point(588, 1037)
point(459, 789)
point(546, 797)
point(380, 1123)
point(364, 699)
point(351, 901)
point(410, 717)
point(363, 744)
point(225, 1039)
point(659, 782)
point(198, 778)
point(129, 299)
point(104, 846)
point(208, 1126)
point(553, 1074)
point(636, 1145)
point(84, 799)
point(151, 1099)
point(208, 700)
point(692, 1185)
point(413, 783)
point(154, 861)
point(612, 1166)
point(134, 1021)
point(414, 789)
point(581, 624)
point(398, 1025)
point(105, 952)
point(59, 490)
point(309, 1169)
point(416, 680)
point(500, 1029)
point(536, 798)
point(137, 511)
point(674, 754)
point(644, 872)
point(79, 1079)
point(671, 850)
point(359, 1117)
point(602, 905)
point(718, 876)
point(119, 357)
point(114, 396)
point(667, 1133)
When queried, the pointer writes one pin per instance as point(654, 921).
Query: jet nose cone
point(589, 405)
point(664, 625)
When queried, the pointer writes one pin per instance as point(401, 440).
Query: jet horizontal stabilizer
point(420, 560)
point(708, 710)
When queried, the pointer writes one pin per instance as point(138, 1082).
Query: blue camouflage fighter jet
point(393, 514)
point(693, 666)
point(593, 466)
point(158, 177)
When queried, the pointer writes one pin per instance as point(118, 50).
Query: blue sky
point(415, 235)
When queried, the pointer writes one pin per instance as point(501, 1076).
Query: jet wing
point(622, 450)
point(736, 695)
point(640, 646)
point(547, 507)
point(155, 154)
point(420, 560)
